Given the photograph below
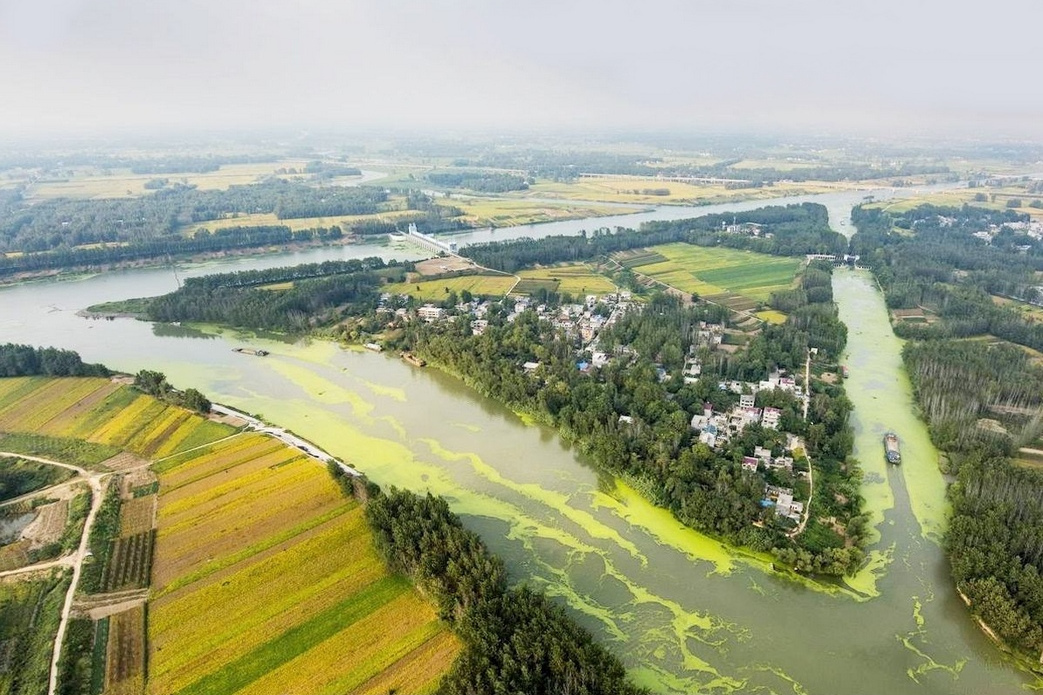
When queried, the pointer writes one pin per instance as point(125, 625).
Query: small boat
point(250, 351)
point(891, 451)
point(413, 359)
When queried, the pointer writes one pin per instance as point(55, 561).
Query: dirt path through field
point(75, 560)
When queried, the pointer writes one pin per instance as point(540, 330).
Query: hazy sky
point(923, 66)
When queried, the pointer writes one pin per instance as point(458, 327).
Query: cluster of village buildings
point(585, 322)
point(1031, 228)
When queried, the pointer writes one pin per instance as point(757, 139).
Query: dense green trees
point(516, 641)
point(568, 165)
point(982, 400)
point(791, 230)
point(481, 181)
point(995, 545)
point(25, 360)
point(302, 297)
point(155, 384)
point(658, 449)
point(66, 223)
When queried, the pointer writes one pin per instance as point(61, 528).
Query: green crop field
point(29, 614)
point(717, 271)
point(437, 290)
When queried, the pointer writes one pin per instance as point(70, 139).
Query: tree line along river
point(684, 612)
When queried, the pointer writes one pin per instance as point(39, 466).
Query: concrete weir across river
point(684, 612)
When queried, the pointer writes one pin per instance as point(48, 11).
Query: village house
point(430, 312)
point(708, 436)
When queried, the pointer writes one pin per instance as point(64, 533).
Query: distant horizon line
point(656, 136)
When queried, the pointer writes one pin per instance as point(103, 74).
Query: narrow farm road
point(95, 481)
point(74, 560)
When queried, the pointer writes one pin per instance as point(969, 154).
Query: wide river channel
point(685, 613)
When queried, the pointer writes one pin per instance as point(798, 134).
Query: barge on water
point(891, 451)
point(413, 359)
point(250, 351)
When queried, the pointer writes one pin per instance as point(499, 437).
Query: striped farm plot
point(266, 581)
point(98, 411)
point(717, 271)
point(575, 278)
point(34, 409)
point(438, 289)
point(125, 653)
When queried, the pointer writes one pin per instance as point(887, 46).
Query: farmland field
point(575, 278)
point(484, 211)
point(257, 538)
point(716, 271)
point(102, 413)
point(29, 613)
point(639, 190)
point(772, 316)
point(436, 290)
point(125, 184)
point(264, 578)
point(270, 218)
point(125, 653)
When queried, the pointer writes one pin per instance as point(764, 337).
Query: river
point(684, 613)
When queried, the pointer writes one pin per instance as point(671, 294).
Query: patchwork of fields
point(256, 537)
point(574, 278)
point(738, 279)
point(99, 411)
point(264, 578)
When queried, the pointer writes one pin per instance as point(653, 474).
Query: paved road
point(286, 437)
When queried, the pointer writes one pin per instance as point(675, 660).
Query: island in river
point(611, 558)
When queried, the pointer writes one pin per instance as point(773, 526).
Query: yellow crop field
point(12, 389)
point(643, 190)
point(224, 456)
point(102, 412)
point(771, 316)
point(511, 212)
point(33, 410)
point(575, 278)
point(264, 577)
point(65, 421)
point(438, 290)
point(257, 538)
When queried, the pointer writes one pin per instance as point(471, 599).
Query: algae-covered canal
point(684, 613)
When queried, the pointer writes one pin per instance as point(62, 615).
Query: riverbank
point(626, 570)
point(171, 260)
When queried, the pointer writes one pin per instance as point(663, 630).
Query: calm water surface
point(685, 614)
